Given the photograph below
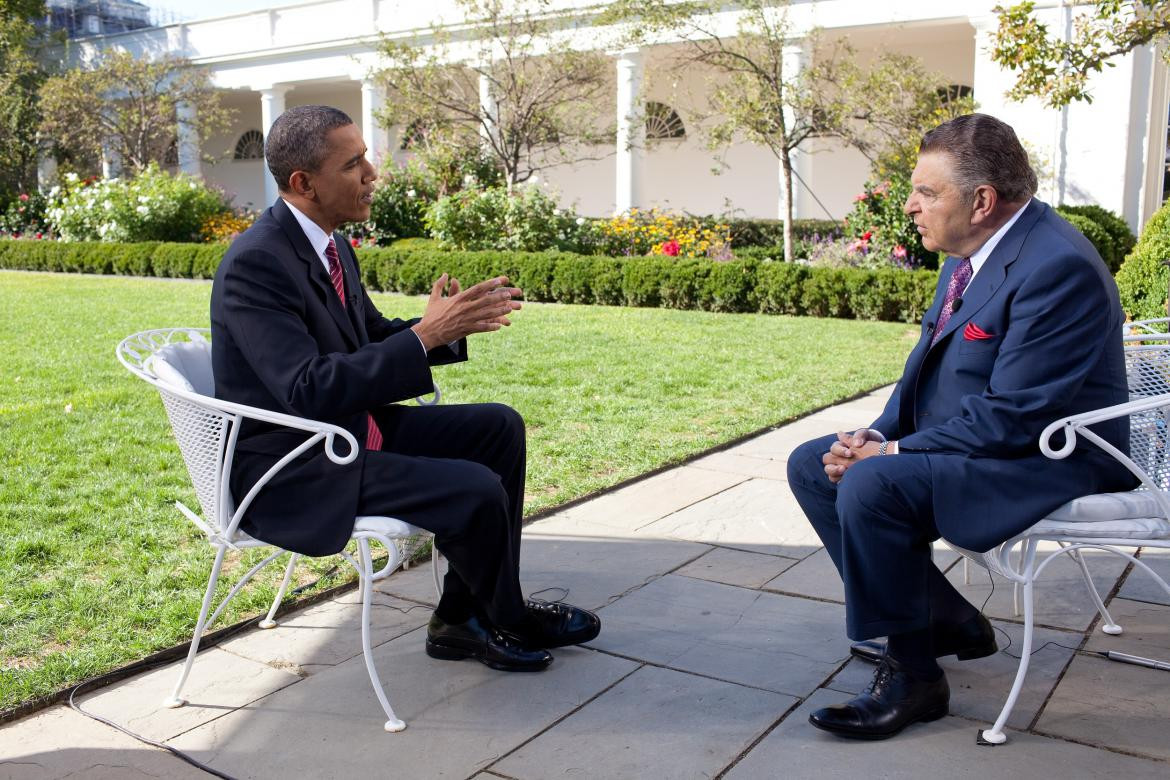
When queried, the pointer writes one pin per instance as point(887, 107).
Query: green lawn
point(97, 569)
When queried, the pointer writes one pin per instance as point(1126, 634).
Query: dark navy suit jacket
point(282, 341)
point(1050, 318)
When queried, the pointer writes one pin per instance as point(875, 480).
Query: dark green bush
point(740, 285)
point(1115, 226)
point(1142, 278)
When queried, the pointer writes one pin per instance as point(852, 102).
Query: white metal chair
point(1107, 521)
point(177, 362)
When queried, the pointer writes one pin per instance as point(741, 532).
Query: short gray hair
point(984, 150)
point(296, 140)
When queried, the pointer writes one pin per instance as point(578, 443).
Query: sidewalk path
point(722, 629)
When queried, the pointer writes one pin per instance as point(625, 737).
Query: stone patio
point(722, 629)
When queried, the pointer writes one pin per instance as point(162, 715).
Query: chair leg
point(268, 622)
point(995, 735)
point(367, 571)
point(435, 569)
point(1107, 624)
point(175, 700)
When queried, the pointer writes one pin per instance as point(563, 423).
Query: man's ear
point(983, 203)
point(300, 183)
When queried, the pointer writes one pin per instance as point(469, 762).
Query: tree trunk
point(786, 196)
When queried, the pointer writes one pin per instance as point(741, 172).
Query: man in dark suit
point(1025, 328)
point(294, 331)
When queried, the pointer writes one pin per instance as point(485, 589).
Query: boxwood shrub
point(1142, 278)
point(747, 284)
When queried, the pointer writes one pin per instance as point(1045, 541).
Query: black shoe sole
point(449, 653)
point(968, 654)
point(848, 733)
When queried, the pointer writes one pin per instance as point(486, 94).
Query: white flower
point(580, 220)
point(410, 193)
point(143, 199)
point(142, 210)
point(68, 408)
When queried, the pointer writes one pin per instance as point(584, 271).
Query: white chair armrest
point(1077, 425)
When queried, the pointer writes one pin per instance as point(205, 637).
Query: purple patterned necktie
point(959, 278)
point(373, 433)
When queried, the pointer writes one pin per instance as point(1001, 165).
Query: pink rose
point(23, 196)
point(670, 247)
point(900, 252)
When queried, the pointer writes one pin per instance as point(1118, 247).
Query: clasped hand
point(847, 450)
point(479, 309)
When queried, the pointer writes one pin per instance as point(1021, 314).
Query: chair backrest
point(1148, 373)
point(177, 361)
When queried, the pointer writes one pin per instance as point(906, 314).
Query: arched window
point(250, 146)
point(952, 92)
point(415, 134)
point(662, 121)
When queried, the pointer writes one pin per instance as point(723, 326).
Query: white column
point(795, 61)
point(489, 110)
point(631, 131)
point(188, 139)
point(271, 106)
point(46, 170)
point(377, 141)
point(111, 159)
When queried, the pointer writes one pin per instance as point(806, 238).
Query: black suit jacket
point(283, 341)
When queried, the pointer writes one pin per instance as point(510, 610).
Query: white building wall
point(1109, 152)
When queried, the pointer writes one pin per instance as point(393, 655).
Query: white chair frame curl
point(177, 363)
point(1095, 522)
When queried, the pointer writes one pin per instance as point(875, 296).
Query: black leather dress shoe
point(551, 624)
point(474, 639)
point(972, 639)
point(893, 701)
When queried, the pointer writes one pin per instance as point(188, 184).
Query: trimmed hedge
point(1142, 278)
point(746, 284)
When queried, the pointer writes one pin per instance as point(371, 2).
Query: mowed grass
point(97, 569)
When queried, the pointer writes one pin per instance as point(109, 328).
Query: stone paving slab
point(817, 577)
point(1140, 586)
point(219, 683)
point(591, 572)
point(1145, 630)
point(736, 567)
point(945, 748)
point(733, 462)
point(328, 633)
point(647, 500)
point(461, 716)
point(59, 742)
point(1116, 705)
point(778, 643)
point(655, 723)
point(980, 687)
point(1060, 596)
point(759, 515)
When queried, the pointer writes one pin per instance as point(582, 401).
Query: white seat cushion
point(387, 526)
point(1134, 514)
point(185, 365)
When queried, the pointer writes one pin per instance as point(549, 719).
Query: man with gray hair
point(294, 331)
point(1025, 328)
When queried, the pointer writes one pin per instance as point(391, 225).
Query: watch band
point(882, 447)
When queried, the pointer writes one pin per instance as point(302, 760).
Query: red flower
point(867, 235)
point(40, 235)
point(354, 242)
point(23, 196)
point(670, 247)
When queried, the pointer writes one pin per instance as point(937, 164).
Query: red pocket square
point(973, 332)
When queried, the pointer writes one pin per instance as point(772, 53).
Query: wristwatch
point(882, 447)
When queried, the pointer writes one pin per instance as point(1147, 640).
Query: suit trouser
point(877, 525)
point(458, 472)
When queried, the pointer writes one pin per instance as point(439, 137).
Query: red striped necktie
point(373, 435)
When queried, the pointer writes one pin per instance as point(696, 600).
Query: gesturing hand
point(479, 309)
